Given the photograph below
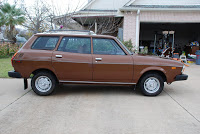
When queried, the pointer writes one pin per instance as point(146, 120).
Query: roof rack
point(84, 32)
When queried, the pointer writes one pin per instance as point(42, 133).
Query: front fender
point(141, 70)
point(152, 69)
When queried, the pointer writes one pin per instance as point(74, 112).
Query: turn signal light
point(173, 67)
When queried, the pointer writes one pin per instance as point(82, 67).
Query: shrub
point(128, 44)
point(7, 49)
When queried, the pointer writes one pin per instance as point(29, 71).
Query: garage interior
point(159, 36)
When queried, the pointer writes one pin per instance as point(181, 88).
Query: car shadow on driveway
point(94, 89)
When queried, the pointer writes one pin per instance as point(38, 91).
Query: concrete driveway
point(101, 109)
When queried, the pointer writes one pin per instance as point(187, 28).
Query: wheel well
point(155, 71)
point(44, 70)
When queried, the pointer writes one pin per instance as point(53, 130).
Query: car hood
point(155, 60)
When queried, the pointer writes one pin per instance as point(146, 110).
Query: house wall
point(166, 2)
point(107, 4)
point(129, 27)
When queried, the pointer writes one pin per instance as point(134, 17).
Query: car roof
point(76, 34)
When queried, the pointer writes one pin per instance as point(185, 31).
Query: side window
point(107, 47)
point(75, 45)
point(45, 43)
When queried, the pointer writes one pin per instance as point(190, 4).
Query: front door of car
point(110, 62)
point(72, 60)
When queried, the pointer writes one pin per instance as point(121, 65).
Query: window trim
point(74, 37)
point(112, 45)
point(45, 49)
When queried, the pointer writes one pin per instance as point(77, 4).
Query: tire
point(43, 83)
point(151, 84)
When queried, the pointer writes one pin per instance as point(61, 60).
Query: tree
point(37, 16)
point(108, 25)
point(64, 17)
point(102, 24)
point(43, 15)
point(10, 16)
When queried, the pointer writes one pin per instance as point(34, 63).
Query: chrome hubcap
point(43, 84)
point(152, 85)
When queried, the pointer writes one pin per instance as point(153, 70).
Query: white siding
point(166, 2)
point(162, 16)
point(107, 4)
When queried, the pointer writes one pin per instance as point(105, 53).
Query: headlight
point(183, 69)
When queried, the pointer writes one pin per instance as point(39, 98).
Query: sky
point(62, 6)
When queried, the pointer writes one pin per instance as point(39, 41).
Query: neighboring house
point(151, 23)
point(101, 16)
point(1, 36)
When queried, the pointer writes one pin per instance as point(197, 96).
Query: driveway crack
point(182, 106)
point(15, 101)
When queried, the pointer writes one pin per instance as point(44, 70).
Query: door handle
point(98, 59)
point(58, 56)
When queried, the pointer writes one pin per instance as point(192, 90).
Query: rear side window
point(75, 45)
point(45, 43)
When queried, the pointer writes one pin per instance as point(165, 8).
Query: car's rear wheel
point(151, 84)
point(43, 83)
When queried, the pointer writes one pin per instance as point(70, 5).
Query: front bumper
point(14, 74)
point(181, 77)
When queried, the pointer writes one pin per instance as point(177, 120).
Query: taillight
point(13, 58)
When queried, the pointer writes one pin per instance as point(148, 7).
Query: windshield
point(124, 46)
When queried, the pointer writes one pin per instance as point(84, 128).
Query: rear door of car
point(72, 60)
point(110, 62)
point(37, 54)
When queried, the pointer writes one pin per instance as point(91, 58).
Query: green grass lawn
point(5, 66)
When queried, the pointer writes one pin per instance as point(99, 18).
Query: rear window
point(45, 43)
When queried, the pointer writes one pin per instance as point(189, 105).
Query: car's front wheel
point(43, 83)
point(151, 84)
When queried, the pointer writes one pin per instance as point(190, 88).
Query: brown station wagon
point(80, 58)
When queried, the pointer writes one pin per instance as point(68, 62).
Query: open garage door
point(159, 36)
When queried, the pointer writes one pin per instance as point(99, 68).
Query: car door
point(72, 60)
point(110, 62)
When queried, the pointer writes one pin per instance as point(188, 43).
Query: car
point(54, 58)
point(20, 40)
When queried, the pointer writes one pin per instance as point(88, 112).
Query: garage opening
point(157, 37)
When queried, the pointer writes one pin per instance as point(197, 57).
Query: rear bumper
point(181, 77)
point(14, 74)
